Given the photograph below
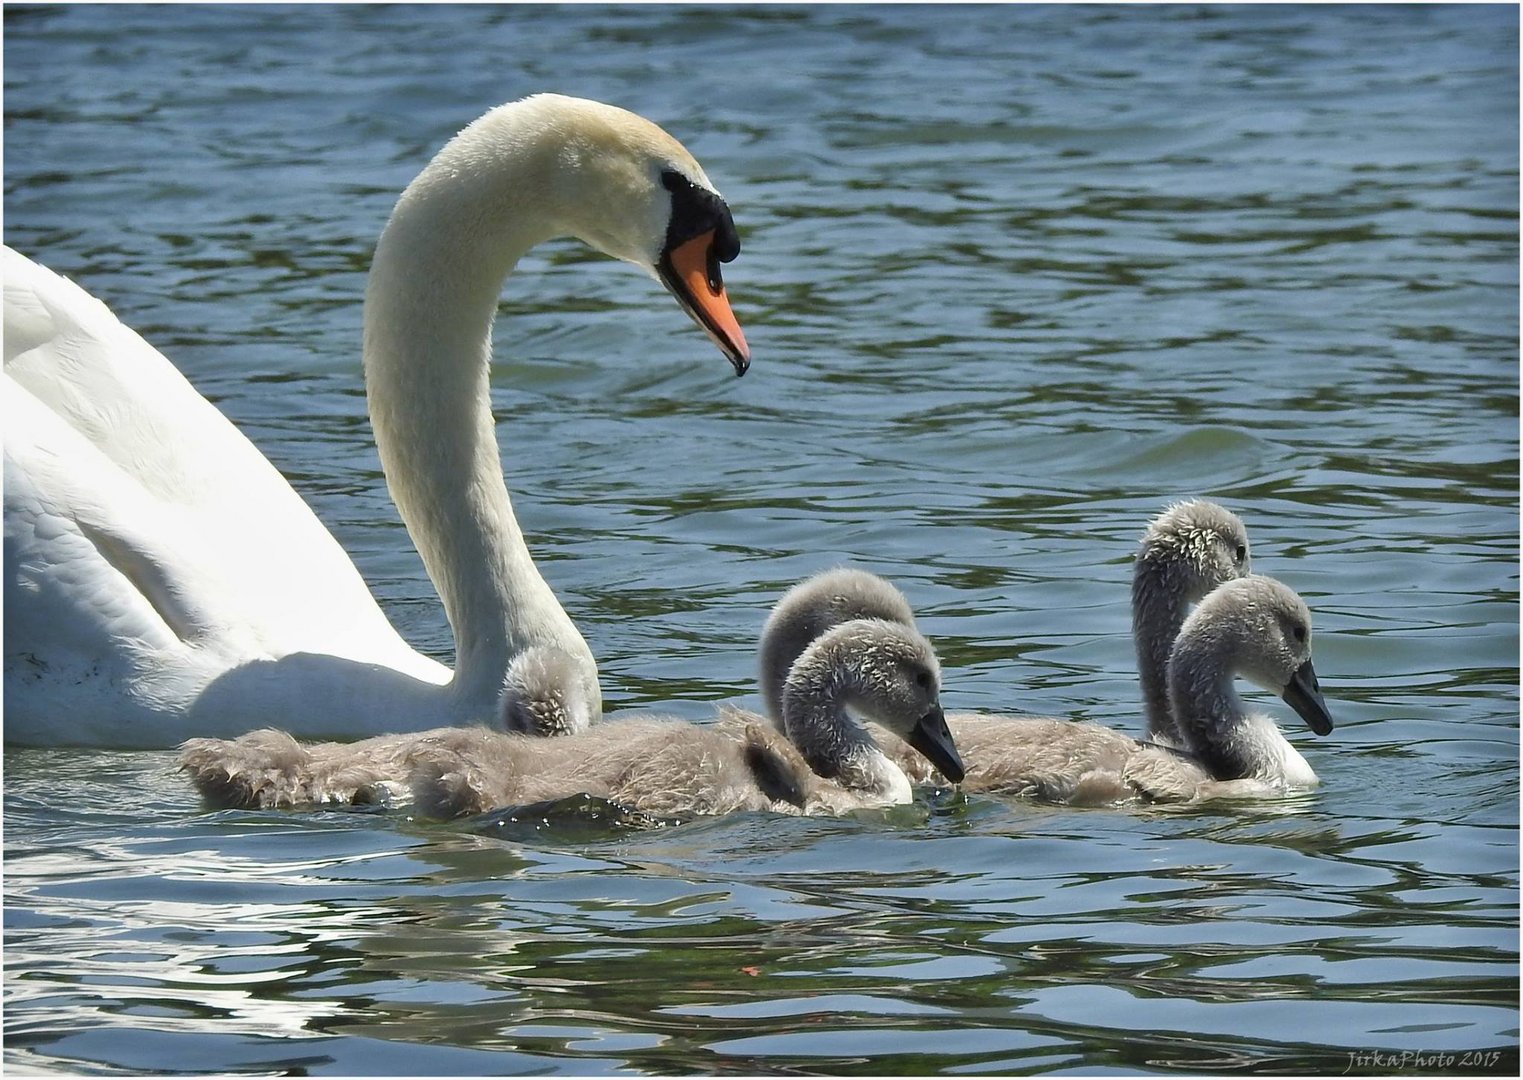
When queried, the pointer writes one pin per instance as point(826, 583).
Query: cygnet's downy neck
point(1187, 551)
point(438, 270)
point(1217, 727)
point(888, 673)
point(1159, 605)
point(834, 744)
point(1214, 723)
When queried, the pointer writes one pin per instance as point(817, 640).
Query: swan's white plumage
point(164, 581)
point(152, 548)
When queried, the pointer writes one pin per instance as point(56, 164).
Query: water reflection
point(783, 935)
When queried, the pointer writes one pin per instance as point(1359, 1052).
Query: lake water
point(1014, 277)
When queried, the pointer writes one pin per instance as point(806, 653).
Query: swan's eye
point(1299, 632)
point(696, 211)
point(923, 680)
point(1241, 553)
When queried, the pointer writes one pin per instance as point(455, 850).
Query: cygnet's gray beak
point(1304, 695)
point(934, 741)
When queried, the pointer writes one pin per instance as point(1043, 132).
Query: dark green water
point(1014, 277)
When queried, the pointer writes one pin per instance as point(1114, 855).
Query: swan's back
point(148, 545)
point(99, 397)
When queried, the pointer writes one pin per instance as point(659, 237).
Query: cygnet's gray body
point(661, 766)
point(1189, 550)
point(1245, 628)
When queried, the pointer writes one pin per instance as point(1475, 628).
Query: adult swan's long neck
point(429, 310)
point(163, 580)
point(520, 175)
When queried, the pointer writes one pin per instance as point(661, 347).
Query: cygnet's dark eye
point(923, 680)
point(1299, 632)
point(1241, 553)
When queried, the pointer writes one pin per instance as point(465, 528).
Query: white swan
point(661, 766)
point(162, 580)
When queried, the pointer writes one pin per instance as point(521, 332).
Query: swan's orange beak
point(690, 271)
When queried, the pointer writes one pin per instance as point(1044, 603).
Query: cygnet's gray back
point(1187, 551)
point(545, 693)
point(812, 607)
point(659, 765)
